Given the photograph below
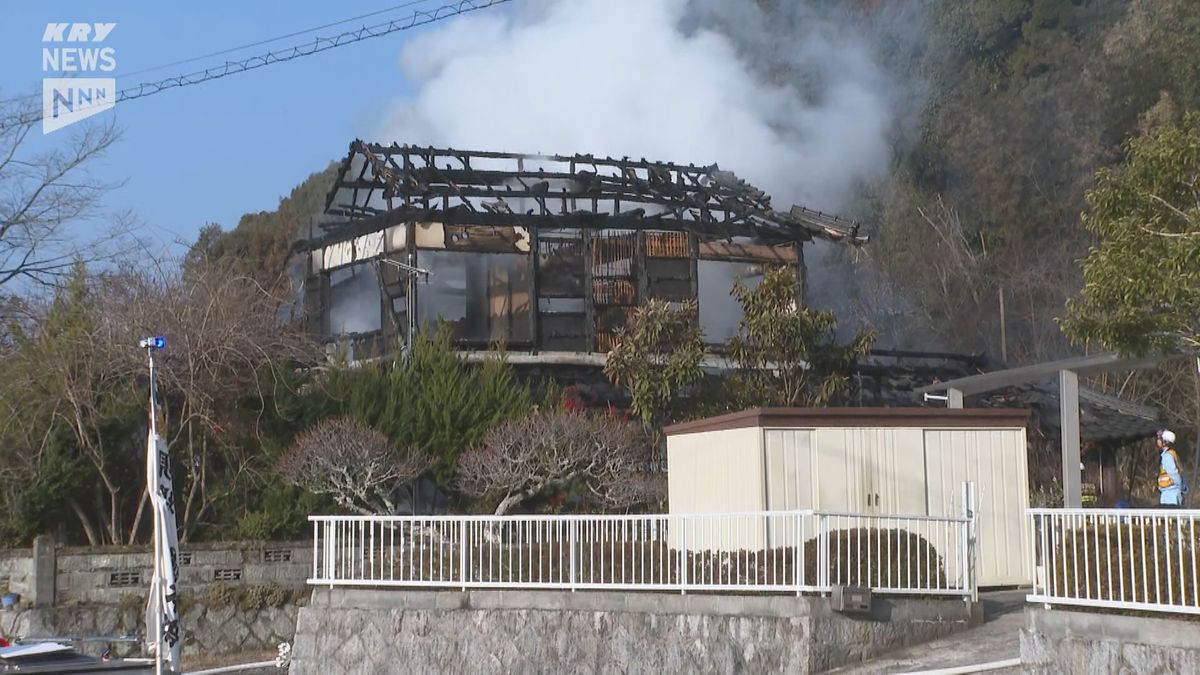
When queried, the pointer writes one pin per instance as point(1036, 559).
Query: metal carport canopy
point(1084, 366)
point(1068, 372)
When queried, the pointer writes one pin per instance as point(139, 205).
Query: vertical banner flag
point(162, 610)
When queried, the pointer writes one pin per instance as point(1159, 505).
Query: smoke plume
point(791, 99)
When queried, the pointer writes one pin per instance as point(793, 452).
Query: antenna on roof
point(405, 267)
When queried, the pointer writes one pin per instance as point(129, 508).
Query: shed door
point(995, 460)
point(838, 466)
point(897, 472)
point(789, 469)
point(870, 470)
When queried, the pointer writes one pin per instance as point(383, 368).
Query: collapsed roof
point(1102, 417)
point(379, 185)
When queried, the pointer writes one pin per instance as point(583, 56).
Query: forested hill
point(258, 246)
point(1027, 99)
point(1016, 104)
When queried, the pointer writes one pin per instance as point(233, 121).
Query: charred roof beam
point(704, 200)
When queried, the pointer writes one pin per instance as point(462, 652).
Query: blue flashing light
point(160, 342)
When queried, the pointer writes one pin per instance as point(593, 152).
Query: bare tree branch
point(353, 463)
point(525, 457)
point(43, 193)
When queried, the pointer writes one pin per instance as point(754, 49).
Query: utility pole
point(1003, 329)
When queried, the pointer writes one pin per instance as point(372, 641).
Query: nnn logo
point(72, 51)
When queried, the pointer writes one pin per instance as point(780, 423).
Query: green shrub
point(253, 596)
point(282, 514)
point(878, 558)
point(221, 595)
point(435, 402)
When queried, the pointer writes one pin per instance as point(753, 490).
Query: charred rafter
point(502, 189)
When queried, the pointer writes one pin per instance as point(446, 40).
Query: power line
point(267, 41)
point(239, 48)
point(319, 44)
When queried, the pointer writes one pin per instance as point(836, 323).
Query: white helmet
point(1167, 436)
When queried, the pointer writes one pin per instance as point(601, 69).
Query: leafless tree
point(226, 346)
point(353, 463)
point(968, 291)
point(43, 192)
point(78, 365)
point(65, 375)
point(522, 458)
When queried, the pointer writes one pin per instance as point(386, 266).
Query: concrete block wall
point(1062, 641)
point(106, 575)
point(16, 571)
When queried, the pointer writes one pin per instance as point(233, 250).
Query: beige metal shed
point(890, 461)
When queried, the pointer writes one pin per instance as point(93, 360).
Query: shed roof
point(857, 417)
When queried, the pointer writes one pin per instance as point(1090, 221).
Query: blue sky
point(211, 152)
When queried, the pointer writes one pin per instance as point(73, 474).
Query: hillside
point(258, 245)
point(1027, 100)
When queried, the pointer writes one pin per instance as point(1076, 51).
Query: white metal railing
point(1139, 559)
point(793, 551)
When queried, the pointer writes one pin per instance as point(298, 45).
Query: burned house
point(546, 254)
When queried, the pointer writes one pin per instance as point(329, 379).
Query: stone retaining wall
point(1074, 642)
point(366, 631)
point(207, 628)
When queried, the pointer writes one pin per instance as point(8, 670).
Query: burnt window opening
point(482, 297)
point(720, 312)
point(354, 300)
point(560, 266)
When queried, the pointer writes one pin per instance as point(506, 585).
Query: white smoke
point(801, 110)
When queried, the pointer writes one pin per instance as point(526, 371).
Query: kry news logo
point(66, 100)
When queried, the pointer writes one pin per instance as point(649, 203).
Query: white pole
point(156, 585)
point(968, 531)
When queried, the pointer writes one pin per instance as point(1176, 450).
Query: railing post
point(331, 542)
point(683, 576)
point(573, 544)
point(968, 549)
point(823, 553)
point(316, 530)
point(462, 552)
point(1033, 538)
point(798, 552)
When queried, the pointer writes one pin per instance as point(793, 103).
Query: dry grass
point(205, 661)
point(1128, 562)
